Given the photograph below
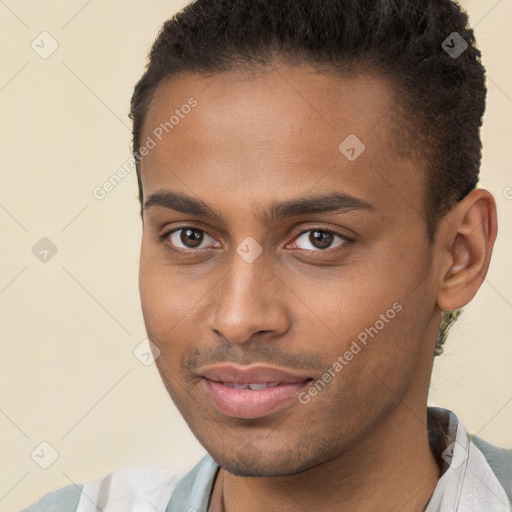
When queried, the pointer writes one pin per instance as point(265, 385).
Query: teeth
point(257, 386)
point(252, 386)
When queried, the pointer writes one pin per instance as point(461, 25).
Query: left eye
point(319, 239)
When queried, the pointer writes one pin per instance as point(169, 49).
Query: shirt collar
point(467, 483)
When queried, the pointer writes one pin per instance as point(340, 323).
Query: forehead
point(276, 133)
point(285, 100)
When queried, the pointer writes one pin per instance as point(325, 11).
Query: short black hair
point(424, 48)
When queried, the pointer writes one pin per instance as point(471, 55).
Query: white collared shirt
point(469, 484)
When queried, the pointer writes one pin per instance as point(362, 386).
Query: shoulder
point(120, 490)
point(500, 461)
point(64, 499)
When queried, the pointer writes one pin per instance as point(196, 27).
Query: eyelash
point(165, 236)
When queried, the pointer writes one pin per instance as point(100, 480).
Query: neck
point(390, 469)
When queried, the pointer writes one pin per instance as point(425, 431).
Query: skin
point(257, 139)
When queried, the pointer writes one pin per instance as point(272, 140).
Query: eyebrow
point(333, 202)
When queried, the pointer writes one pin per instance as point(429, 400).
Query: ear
point(466, 239)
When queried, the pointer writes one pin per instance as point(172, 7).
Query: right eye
point(186, 237)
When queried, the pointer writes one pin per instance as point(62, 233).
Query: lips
point(251, 391)
point(250, 374)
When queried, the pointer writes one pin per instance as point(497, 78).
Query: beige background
point(69, 326)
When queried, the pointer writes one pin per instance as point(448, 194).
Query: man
point(307, 176)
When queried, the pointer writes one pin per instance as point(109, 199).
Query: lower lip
point(245, 403)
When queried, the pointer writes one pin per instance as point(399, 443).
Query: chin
point(254, 465)
point(249, 470)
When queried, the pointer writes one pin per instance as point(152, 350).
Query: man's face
point(267, 295)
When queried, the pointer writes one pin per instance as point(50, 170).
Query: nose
point(247, 301)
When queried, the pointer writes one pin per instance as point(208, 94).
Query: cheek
point(376, 367)
point(393, 272)
point(162, 303)
point(395, 341)
point(164, 316)
point(173, 300)
point(382, 316)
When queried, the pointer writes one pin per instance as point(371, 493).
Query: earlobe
point(468, 242)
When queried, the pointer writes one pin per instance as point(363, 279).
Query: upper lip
point(256, 374)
